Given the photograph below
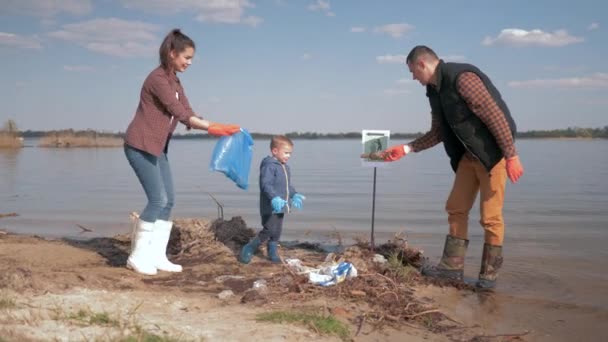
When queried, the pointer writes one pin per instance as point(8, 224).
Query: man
point(477, 131)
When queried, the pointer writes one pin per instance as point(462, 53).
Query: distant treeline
point(571, 132)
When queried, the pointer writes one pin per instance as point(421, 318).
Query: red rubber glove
point(514, 169)
point(395, 152)
point(219, 129)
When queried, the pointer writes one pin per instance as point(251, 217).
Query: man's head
point(422, 62)
point(281, 148)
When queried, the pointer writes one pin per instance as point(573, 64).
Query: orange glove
point(514, 169)
point(395, 152)
point(219, 129)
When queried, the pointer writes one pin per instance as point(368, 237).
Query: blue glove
point(296, 200)
point(277, 204)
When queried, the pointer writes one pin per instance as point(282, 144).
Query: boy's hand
point(296, 200)
point(277, 204)
point(218, 129)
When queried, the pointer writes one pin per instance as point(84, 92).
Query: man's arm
point(429, 139)
point(474, 93)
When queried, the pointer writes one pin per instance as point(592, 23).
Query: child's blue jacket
point(275, 180)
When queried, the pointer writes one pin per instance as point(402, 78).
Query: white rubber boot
point(162, 232)
point(141, 258)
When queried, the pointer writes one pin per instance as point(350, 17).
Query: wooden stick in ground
point(9, 215)
point(84, 229)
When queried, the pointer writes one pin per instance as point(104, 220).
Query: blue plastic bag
point(232, 156)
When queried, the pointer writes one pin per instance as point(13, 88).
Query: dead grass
point(400, 269)
point(10, 140)
point(327, 325)
point(87, 317)
point(7, 303)
point(80, 139)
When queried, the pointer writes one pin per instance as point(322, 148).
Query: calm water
point(557, 216)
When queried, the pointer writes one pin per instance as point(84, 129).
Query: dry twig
point(421, 313)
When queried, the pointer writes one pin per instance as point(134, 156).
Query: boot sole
point(137, 270)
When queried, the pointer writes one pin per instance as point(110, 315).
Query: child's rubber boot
point(248, 250)
point(273, 252)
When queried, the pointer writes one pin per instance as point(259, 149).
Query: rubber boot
point(491, 261)
point(248, 250)
point(273, 252)
point(162, 232)
point(141, 258)
point(451, 265)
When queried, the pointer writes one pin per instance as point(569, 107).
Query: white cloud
point(522, 38)
point(306, 56)
point(598, 80)
point(357, 29)
point(213, 11)
point(252, 21)
point(18, 41)
point(593, 26)
point(322, 6)
point(78, 68)
point(46, 8)
point(394, 30)
point(112, 36)
point(391, 59)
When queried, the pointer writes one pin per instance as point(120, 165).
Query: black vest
point(461, 129)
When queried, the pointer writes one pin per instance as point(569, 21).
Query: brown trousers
point(471, 178)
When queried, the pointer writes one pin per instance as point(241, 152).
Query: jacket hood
point(270, 160)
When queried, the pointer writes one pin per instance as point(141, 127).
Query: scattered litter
point(380, 259)
point(328, 274)
point(260, 286)
point(225, 294)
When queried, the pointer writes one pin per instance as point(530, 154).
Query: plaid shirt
point(474, 93)
point(162, 104)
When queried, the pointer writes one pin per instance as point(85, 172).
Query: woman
point(162, 105)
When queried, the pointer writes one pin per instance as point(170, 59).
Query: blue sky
point(299, 65)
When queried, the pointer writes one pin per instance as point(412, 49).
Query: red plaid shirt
point(162, 104)
point(474, 93)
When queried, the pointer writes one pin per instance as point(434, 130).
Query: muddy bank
point(54, 289)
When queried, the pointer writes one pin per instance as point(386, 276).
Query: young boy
point(275, 192)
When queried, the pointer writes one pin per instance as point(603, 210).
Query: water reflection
point(9, 159)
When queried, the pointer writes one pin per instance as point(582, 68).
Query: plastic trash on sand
point(325, 275)
point(232, 156)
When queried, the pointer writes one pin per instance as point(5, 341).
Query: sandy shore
point(80, 291)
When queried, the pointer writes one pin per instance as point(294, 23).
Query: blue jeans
point(154, 174)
